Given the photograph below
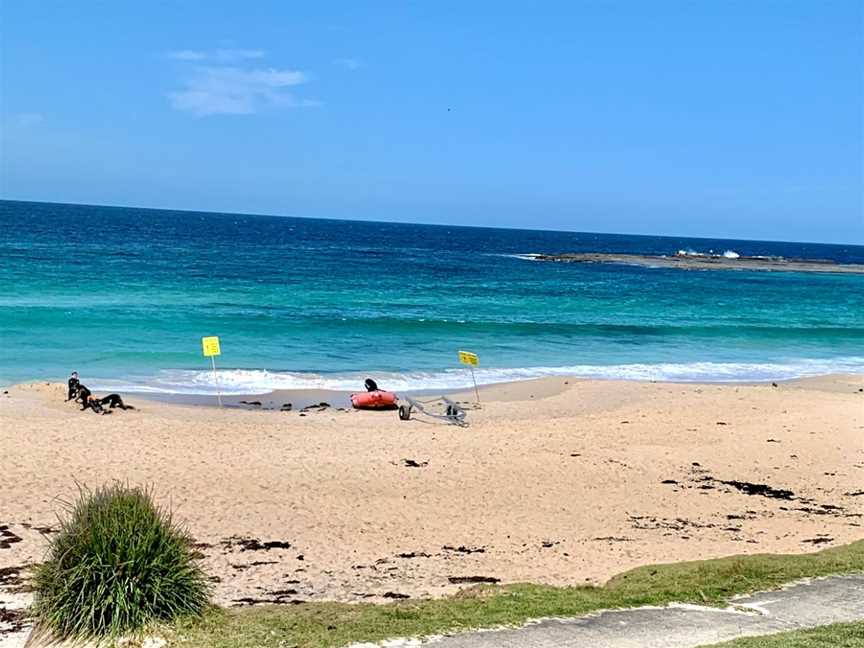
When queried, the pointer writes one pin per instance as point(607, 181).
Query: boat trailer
point(454, 414)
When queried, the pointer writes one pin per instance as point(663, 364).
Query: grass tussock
point(118, 564)
point(323, 625)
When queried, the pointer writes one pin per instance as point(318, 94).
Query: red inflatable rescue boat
point(377, 399)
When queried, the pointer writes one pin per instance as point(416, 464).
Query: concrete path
point(803, 605)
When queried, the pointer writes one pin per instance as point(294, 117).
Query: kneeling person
point(83, 396)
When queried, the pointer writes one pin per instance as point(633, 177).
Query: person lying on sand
point(74, 385)
point(114, 400)
point(86, 398)
point(111, 400)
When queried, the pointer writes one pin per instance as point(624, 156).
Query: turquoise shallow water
point(124, 296)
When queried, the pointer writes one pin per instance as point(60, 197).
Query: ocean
point(124, 296)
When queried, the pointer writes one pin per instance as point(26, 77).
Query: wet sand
point(281, 400)
point(553, 481)
point(305, 399)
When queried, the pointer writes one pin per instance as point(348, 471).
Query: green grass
point(319, 625)
point(839, 635)
point(118, 564)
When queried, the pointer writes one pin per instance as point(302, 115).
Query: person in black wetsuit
point(97, 404)
point(114, 400)
point(74, 385)
point(371, 385)
point(83, 396)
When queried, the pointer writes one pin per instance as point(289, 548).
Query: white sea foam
point(524, 257)
point(259, 381)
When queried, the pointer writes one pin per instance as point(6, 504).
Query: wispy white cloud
point(219, 55)
point(349, 63)
point(237, 91)
point(26, 119)
point(187, 55)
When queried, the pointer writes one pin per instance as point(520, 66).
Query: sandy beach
point(556, 481)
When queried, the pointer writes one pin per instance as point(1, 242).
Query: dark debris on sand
point(395, 595)
point(749, 488)
point(254, 544)
point(320, 407)
point(14, 620)
point(472, 580)
point(462, 549)
point(414, 554)
point(701, 479)
point(275, 600)
point(254, 563)
point(11, 576)
point(7, 537)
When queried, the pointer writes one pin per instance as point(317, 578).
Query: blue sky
point(725, 118)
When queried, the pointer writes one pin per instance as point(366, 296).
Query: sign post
point(471, 359)
point(210, 346)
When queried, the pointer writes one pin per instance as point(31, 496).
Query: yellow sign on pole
point(471, 359)
point(211, 346)
point(468, 358)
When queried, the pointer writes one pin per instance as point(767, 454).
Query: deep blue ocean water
point(124, 295)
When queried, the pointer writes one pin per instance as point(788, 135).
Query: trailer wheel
point(404, 413)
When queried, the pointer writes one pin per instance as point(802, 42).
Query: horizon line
point(363, 220)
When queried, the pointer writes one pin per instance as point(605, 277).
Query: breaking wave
point(260, 381)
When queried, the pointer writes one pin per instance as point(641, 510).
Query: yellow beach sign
point(211, 346)
point(471, 359)
point(468, 358)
